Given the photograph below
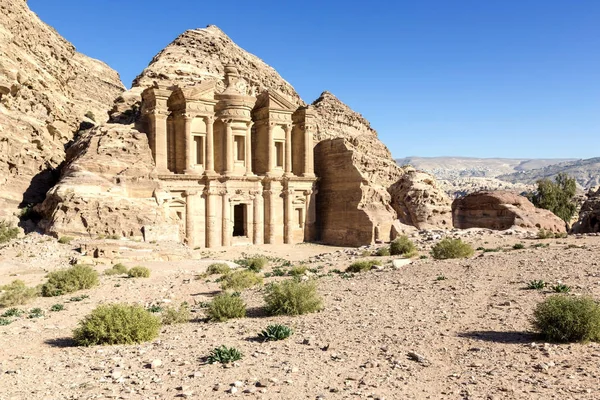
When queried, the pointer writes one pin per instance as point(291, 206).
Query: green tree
point(556, 196)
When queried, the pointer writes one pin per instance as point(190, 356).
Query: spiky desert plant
point(224, 355)
point(536, 284)
point(275, 332)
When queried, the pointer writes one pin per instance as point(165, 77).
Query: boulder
point(419, 201)
point(501, 210)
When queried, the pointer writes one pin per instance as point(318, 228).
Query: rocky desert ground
point(424, 329)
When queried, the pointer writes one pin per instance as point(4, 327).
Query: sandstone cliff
point(589, 215)
point(46, 89)
point(502, 210)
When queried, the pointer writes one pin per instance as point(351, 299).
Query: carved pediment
point(203, 92)
point(274, 101)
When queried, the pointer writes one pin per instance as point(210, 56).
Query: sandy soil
point(472, 329)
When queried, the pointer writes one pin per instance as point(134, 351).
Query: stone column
point(226, 234)
point(258, 217)
point(248, 148)
point(228, 148)
point(309, 163)
point(289, 214)
point(211, 218)
point(171, 143)
point(269, 195)
point(190, 233)
point(308, 226)
point(270, 150)
point(210, 144)
point(187, 131)
point(160, 142)
point(288, 150)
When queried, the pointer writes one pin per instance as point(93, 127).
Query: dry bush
point(7, 231)
point(364, 265)
point(139, 272)
point(218, 269)
point(226, 306)
point(255, 264)
point(70, 280)
point(117, 269)
point(292, 297)
point(298, 270)
point(568, 319)
point(117, 324)
point(176, 315)
point(16, 293)
point(403, 246)
point(451, 248)
point(240, 280)
point(383, 252)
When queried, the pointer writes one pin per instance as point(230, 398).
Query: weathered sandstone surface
point(589, 215)
point(198, 56)
point(107, 187)
point(502, 210)
point(420, 202)
point(46, 88)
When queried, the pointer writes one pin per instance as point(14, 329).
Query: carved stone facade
point(233, 168)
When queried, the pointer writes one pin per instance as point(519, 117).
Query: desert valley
point(207, 233)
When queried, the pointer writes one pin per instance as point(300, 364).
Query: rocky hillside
point(462, 175)
point(46, 90)
point(586, 173)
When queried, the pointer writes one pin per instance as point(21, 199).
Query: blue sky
point(480, 78)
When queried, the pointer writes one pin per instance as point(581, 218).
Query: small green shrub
point(541, 245)
point(70, 280)
point(561, 288)
point(226, 306)
point(568, 319)
point(440, 278)
point(139, 272)
point(117, 324)
point(298, 271)
point(176, 315)
point(383, 252)
point(364, 265)
point(451, 248)
point(117, 269)
point(240, 280)
point(278, 272)
point(402, 245)
point(16, 293)
point(79, 298)
point(13, 312)
point(90, 115)
point(36, 313)
point(492, 250)
point(255, 264)
point(518, 246)
point(57, 307)
point(292, 297)
point(545, 234)
point(224, 355)
point(65, 239)
point(536, 284)
point(155, 308)
point(218, 268)
point(5, 321)
point(275, 332)
point(7, 231)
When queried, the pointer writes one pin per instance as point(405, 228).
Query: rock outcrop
point(502, 210)
point(419, 201)
point(46, 90)
point(589, 215)
point(108, 187)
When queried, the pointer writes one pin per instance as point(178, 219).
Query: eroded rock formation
point(46, 89)
point(589, 215)
point(502, 210)
point(420, 202)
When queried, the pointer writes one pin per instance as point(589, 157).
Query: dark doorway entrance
point(239, 220)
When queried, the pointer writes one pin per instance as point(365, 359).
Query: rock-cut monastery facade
point(233, 168)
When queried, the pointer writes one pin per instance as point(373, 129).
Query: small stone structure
point(232, 168)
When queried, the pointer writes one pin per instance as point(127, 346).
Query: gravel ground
point(454, 329)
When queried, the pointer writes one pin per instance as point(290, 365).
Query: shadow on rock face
point(500, 337)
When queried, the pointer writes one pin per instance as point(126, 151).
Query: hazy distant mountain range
point(461, 175)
